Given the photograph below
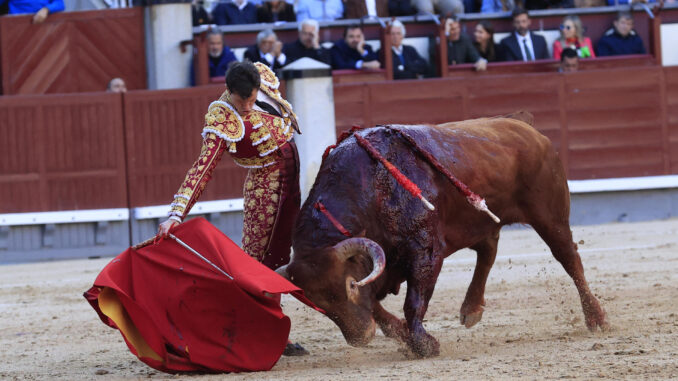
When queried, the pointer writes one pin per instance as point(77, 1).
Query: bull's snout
point(361, 339)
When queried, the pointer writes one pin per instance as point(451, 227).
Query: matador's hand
point(164, 228)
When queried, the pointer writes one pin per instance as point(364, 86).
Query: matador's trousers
point(272, 199)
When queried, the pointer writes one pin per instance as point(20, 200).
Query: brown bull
point(504, 160)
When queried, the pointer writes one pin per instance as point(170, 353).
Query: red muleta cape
point(177, 313)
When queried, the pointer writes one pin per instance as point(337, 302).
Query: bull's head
point(329, 280)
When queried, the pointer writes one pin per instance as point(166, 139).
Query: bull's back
point(504, 160)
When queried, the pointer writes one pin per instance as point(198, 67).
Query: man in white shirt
point(522, 45)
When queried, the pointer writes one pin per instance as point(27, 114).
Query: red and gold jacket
point(252, 139)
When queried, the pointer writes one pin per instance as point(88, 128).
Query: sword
point(192, 250)
point(152, 240)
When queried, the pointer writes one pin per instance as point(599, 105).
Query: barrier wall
point(72, 52)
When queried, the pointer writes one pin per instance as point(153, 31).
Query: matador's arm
point(194, 184)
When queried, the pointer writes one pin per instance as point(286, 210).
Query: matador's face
point(243, 105)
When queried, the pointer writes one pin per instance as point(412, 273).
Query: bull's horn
point(282, 271)
point(354, 246)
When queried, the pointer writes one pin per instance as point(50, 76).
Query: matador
point(255, 125)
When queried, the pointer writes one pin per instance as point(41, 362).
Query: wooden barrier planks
point(614, 123)
point(671, 82)
point(61, 152)
point(72, 52)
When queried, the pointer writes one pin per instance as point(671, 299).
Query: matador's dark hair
point(242, 78)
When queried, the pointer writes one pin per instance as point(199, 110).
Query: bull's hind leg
point(472, 308)
point(558, 237)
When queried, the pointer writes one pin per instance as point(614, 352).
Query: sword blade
point(192, 250)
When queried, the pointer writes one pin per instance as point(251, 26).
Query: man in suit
point(407, 63)
point(268, 50)
point(235, 12)
point(621, 39)
point(308, 44)
point(522, 45)
point(352, 52)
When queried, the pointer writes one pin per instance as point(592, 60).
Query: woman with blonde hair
point(572, 36)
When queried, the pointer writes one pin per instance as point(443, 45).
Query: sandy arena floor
point(532, 327)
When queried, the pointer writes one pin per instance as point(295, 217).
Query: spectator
point(494, 6)
point(308, 44)
point(236, 12)
point(268, 50)
point(569, 61)
point(443, 7)
point(220, 56)
point(621, 39)
point(484, 41)
point(116, 85)
point(321, 10)
point(521, 45)
point(352, 52)
point(548, 4)
point(40, 9)
point(275, 11)
point(407, 63)
point(200, 15)
point(460, 49)
point(356, 9)
point(571, 35)
point(400, 8)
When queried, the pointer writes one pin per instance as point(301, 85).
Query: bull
point(394, 239)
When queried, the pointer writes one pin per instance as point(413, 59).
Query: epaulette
point(225, 122)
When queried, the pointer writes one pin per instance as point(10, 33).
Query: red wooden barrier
point(61, 152)
point(72, 51)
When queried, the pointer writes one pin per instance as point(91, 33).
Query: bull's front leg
point(390, 325)
point(420, 285)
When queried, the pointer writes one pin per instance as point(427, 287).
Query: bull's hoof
point(424, 346)
point(471, 319)
point(594, 315)
point(597, 320)
point(470, 316)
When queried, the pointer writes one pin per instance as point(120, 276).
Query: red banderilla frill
point(402, 179)
point(475, 200)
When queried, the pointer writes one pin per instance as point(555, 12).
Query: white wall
point(669, 33)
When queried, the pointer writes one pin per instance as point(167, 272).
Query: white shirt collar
point(398, 50)
point(242, 6)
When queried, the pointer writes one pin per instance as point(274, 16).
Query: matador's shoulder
point(224, 121)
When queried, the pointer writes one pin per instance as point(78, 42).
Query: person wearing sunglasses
point(572, 36)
